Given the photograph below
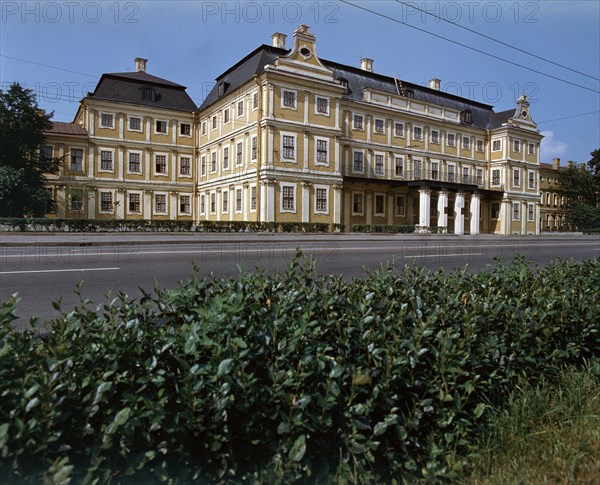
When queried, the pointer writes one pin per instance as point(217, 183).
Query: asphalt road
point(43, 269)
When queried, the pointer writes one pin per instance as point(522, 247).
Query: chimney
point(140, 64)
point(278, 40)
point(366, 64)
point(434, 84)
point(556, 163)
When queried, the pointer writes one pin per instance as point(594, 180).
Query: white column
point(91, 207)
point(475, 211)
point(263, 201)
point(337, 204)
point(173, 203)
point(524, 214)
point(347, 210)
point(505, 216)
point(369, 207)
point(219, 207)
point(442, 205)
point(424, 207)
point(271, 201)
point(459, 218)
point(147, 204)
point(120, 204)
point(538, 219)
point(306, 201)
point(245, 201)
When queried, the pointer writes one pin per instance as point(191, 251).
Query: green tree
point(23, 167)
point(580, 185)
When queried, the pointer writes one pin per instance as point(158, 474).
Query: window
point(516, 177)
point(161, 127)
point(451, 173)
point(76, 200)
point(76, 159)
point(106, 202)
point(238, 200)
point(467, 116)
point(435, 136)
point(379, 125)
point(321, 199)
point(226, 158)
point(185, 166)
point(358, 162)
point(134, 162)
point(400, 205)
point(399, 166)
point(160, 203)
point(160, 164)
point(451, 139)
point(465, 174)
point(253, 198)
point(45, 153)
point(185, 204)
point(399, 129)
point(107, 120)
point(214, 122)
point(203, 165)
point(516, 211)
point(226, 115)
point(106, 160)
point(531, 149)
point(240, 108)
point(358, 122)
point(147, 94)
point(254, 101)
point(418, 168)
point(379, 204)
point(417, 133)
point(479, 145)
point(239, 153)
point(213, 162)
point(495, 210)
point(288, 202)
point(378, 164)
point(530, 212)
point(479, 175)
point(322, 152)
point(322, 105)
point(289, 147)
point(135, 203)
point(225, 201)
point(496, 145)
point(496, 176)
point(185, 129)
point(466, 143)
point(253, 150)
point(221, 89)
point(135, 123)
point(213, 203)
point(202, 204)
point(357, 204)
point(516, 145)
point(435, 170)
point(531, 176)
point(203, 127)
point(289, 99)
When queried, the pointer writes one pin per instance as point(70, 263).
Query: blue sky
point(191, 42)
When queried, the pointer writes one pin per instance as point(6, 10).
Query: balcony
point(436, 176)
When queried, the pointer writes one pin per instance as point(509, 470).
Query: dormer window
point(147, 94)
point(343, 82)
point(467, 116)
point(409, 93)
point(222, 88)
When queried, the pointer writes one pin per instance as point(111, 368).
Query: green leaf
point(479, 409)
point(225, 367)
point(283, 428)
point(299, 449)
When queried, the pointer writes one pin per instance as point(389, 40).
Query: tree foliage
point(580, 185)
point(22, 168)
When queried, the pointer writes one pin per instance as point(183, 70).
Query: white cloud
point(552, 148)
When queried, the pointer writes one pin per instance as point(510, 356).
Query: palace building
point(287, 136)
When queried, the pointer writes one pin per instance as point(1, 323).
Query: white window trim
point(375, 154)
point(154, 211)
point(283, 106)
point(492, 211)
point(202, 210)
point(216, 162)
point(362, 212)
point(228, 168)
point(326, 187)
point(83, 153)
point(363, 122)
point(530, 212)
point(422, 132)
point(223, 192)
point(516, 170)
point(403, 135)
point(141, 154)
point(241, 209)
point(209, 202)
point(228, 110)
point(518, 215)
point(100, 192)
point(156, 132)
point(179, 166)
point(250, 198)
point(318, 113)
point(160, 174)
point(499, 149)
point(529, 186)
point(129, 117)
point(529, 145)
point(477, 141)
point(499, 177)
point(104, 149)
point(431, 132)
point(203, 128)
point(179, 129)
point(453, 166)
point(214, 126)
point(252, 100)
point(254, 137)
point(462, 142)
point(396, 213)
point(513, 146)
point(375, 119)
point(375, 204)
point(237, 108)
point(363, 161)
point(189, 213)
point(112, 127)
point(448, 141)
point(295, 192)
point(240, 164)
point(316, 140)
point(294, 135)
point(403, 167)
point(141, 194)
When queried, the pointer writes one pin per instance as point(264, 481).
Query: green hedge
point(388, 228)
point(141, 225)
point(287, 377)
